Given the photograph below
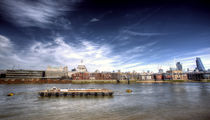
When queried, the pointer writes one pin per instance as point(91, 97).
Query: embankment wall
point(33, 81)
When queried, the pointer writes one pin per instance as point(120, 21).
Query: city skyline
point(106, 35)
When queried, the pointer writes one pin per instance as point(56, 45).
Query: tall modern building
point(179, 66)
point(160, 70)
point(199, 64)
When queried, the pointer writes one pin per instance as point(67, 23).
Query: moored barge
point(75, 92)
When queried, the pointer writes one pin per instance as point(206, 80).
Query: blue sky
point(106, 35)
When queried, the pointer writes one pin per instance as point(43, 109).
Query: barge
point(75, 92)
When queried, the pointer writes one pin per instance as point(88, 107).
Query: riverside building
point(24, 74)
point(177, 75)
point(56, 72)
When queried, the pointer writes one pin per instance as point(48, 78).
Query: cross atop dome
point(81, 67)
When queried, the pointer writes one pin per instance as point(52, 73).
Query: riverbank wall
point(59, 81)
point(34, 81)
point(102, 81)
point(93, 81)
point(162, 81)
point(68, 81)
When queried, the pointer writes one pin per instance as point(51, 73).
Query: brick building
point(177, 75)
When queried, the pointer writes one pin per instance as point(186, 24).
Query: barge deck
point(75, 92)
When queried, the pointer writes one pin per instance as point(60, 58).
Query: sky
point(107, 35)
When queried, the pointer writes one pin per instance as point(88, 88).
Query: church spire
point(81, 61)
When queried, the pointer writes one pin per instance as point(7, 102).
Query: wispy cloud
point(7, 54)
point(35, 13)
point(94, 20)
point(60, 52)
point(5, 43)
point(188, 59)
point(141, 48)
point(143, 33)
point(197, 52)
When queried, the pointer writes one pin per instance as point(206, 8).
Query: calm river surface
point(160, 101)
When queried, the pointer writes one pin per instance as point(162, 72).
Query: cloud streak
point(59, 52)
point(35, 13)
point(143, 33)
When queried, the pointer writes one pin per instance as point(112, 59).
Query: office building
point(179, 66)
point(199, 65)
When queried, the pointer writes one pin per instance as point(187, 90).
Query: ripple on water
point(147, 102)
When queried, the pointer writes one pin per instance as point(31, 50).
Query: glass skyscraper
point(179, 66)
point(199, 64)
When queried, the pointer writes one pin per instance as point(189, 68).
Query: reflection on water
point(161, 101)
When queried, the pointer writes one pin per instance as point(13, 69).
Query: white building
point(56, 72)
point(81, 68)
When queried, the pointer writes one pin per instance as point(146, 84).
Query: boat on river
point(75, 92)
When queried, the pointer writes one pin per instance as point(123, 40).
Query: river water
point(149, 101)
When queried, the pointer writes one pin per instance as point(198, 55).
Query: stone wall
point(33, 81)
